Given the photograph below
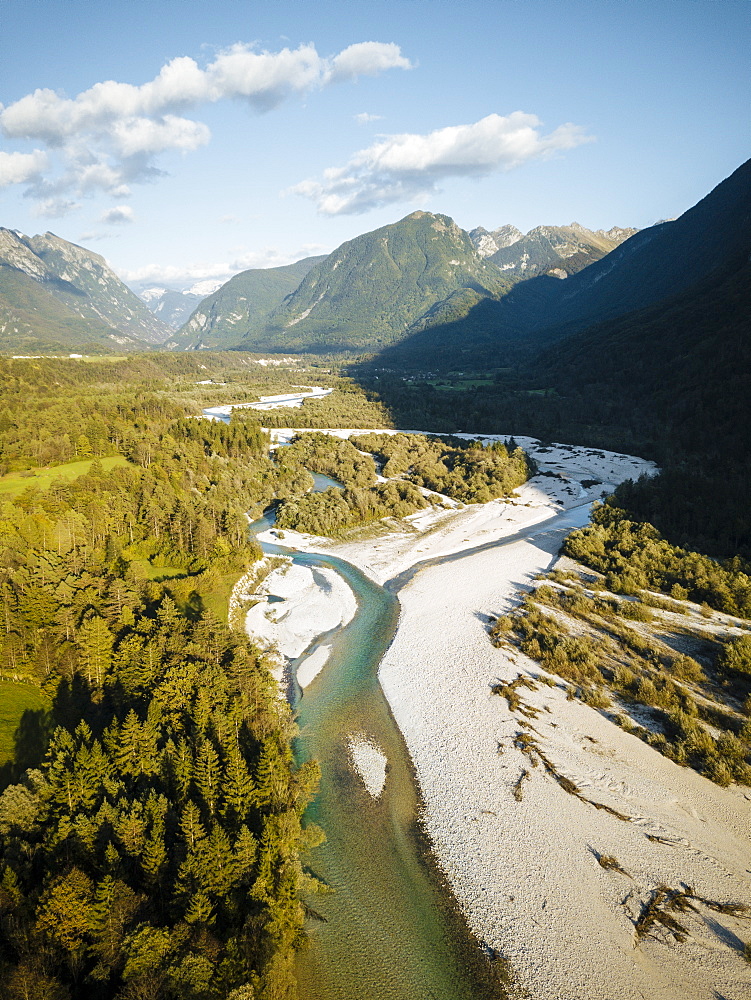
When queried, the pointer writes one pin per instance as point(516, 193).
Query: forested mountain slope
point(33, 321)
point(240, 307)
point(374, 289)
point(54, 293)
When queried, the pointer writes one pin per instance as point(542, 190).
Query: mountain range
point(555, 250)
point(55, 295)
point(419, 293)
point(417, 274)
point(380, 288)
point(171, 306)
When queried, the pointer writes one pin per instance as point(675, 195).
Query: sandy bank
point(526, 872)
point(298, 605)
point(568, 477)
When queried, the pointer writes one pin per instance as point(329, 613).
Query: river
point(391, 928)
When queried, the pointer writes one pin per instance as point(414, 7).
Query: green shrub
point(687, 669)
point(596, 697)
point(500, 629)
point(736, 656)
point(731, 749)
point(635, 611)
point(717, 770)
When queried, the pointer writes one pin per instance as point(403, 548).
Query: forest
point(151, 822)
point(412, 464)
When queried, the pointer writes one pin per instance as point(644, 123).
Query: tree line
point(633, 555)
point(151, 826)
point(470, 471)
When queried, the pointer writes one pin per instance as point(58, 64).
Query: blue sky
point(249, 134)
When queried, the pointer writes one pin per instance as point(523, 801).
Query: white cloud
point(367, 59)
point(107, 137)
point(118, 215)
point(217, 272)
point(17, 168)
point(134, 136)
point(404, 167)
point(56, 208)
point(364, 117)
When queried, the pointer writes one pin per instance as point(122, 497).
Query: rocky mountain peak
point(487, 243)
point(84, 284)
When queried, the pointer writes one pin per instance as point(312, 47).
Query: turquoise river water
point(391, 929)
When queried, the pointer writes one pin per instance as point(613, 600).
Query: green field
point(15, 699)
point(16, 482)
point(149, 571)
point(459, 384)
point(217, 598)
point(103, 358)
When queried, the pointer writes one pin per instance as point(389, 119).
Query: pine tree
point(237, 787)
point(191, 826)
point(136, 751)
point(207, 775)
point(95, 641)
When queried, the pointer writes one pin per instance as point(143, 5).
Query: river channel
point(391, 929)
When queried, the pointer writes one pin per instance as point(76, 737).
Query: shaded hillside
point(376, 288)
point(686, 361)
point(654, 265)
point(240, 307)
point(678, 377)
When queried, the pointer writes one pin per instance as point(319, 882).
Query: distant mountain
point(653, 265)
point(57, 296)
point(56, 293)
point(170, 306)
point(557, 250)
point(487, 243)
point(376, 289)
point(240, 307)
